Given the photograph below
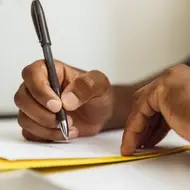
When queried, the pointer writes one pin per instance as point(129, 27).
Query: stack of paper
point(17, 153)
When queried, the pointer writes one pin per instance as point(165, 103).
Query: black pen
point(41, 28)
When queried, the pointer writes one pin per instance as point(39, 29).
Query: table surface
point(166, 173)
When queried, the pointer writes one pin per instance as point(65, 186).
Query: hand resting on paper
point(86, 96)
point(166, 101)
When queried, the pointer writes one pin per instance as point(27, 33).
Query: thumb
point(82, 89)
point(36, 86)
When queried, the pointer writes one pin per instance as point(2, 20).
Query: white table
point(166, 173)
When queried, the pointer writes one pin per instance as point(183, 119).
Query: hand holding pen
point(41, 28)
point(85, 96)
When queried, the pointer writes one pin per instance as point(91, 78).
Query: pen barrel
point(52, 75)
point(53, 79)
point(61, 115)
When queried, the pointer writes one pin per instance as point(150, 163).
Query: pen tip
point(64, 129)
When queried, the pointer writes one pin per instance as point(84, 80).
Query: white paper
point(14, 147)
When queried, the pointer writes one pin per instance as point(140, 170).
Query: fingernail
point(73, 133)
point(70, 101)
point(53, 105)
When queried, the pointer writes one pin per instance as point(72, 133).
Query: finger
point(30, 137)
point(33, 109)
point(160, 132)
point(35, 77)
point(154, 123)
point(42, 132)
point(142, 137)
point(138, 93)
point(135, 125)
point(82, 89)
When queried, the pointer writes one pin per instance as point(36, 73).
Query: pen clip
point(39, 22)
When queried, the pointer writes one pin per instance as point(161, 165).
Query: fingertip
point(122, 150)
point(54, 105)
point(129, 143)
point(70, 101)
point(126, 150)
point(73, 133)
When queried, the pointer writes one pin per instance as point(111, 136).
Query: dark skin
point(147, 110)
point(168, 98)
point(87, 98)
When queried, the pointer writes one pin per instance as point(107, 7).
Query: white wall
point(127, 39)
point(188, 23)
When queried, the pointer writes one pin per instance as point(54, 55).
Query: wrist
point(122, 102)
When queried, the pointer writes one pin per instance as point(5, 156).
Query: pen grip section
point(61, 116)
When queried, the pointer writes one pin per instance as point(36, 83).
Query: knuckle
point(135, 97)
point(18, 97)
point(94, 82)
point(29, 70)
point(168, 72)
point(170, 77)
point(20, 119)
point(26, 72)
point(101, 76)
point(137, 94)
point(160, 88)
point(99, 73)
point(84, 84)
point(89, 82)
point(101, 81)
point(164, 83)
point(175, 69)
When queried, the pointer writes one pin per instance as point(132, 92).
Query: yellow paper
point(83, 152)
point(74, 162)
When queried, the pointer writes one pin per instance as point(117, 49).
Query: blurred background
point(126, 39)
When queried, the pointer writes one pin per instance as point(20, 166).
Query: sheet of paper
point(14, 147)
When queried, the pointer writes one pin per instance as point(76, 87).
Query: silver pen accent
point(64, 129)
